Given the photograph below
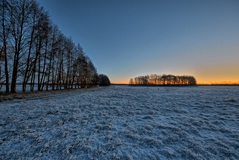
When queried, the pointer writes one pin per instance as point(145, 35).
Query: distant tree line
point(155, 79)
point(34, 52)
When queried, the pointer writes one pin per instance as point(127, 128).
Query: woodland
point(36, 55)
point(163, 80)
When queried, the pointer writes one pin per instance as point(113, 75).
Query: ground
point(121, 122)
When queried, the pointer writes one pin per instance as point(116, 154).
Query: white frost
point(121, 122)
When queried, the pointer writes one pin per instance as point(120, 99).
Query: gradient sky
point(128, 38)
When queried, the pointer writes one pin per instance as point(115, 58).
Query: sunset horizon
point(199, 81)
point(119, 79)
point(125, 39)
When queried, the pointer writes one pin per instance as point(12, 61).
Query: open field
point(121, 122)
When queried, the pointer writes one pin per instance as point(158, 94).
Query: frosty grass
point(121, 122)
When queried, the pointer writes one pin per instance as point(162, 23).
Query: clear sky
point(128, 38)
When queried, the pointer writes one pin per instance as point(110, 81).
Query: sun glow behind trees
point(189, 37)
point(165, 80)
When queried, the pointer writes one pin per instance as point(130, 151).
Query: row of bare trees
point(155, 79)
point(33, 52)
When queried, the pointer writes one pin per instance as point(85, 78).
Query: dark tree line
point(155, 79)
point(34, 52)
point(104, 80)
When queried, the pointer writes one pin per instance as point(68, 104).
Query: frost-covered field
point(121, 122)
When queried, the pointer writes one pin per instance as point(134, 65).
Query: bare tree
point(38, 52)
point(20, 11)
point(164, 80)
point(131, 81)
point(5, 31)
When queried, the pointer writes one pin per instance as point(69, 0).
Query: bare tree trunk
point(35, 67)
point(53, 74)
point(14, 72)
point(33, 76)
point(39, 73)
point(18, 44)
point(5, 46)
point(27, 70)
point(44, 67)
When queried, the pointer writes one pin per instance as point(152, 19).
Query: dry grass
point(21, 95)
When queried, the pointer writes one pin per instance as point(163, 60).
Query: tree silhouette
point(165, 80)
point(34, 52)
point(104, 80)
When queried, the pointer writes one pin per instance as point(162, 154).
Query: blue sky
point(128, 38)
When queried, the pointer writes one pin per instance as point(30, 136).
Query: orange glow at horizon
point(217, 81)
point(199, 79)
point(120, 81)
point(226, 72)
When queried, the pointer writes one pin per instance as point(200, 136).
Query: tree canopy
point(170, 80)
point(104, 80)
point(35, 53)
